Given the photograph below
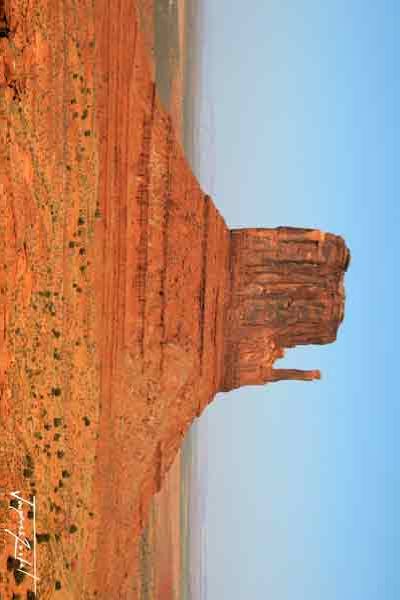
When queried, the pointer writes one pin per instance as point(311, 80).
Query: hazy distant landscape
point(172, 59)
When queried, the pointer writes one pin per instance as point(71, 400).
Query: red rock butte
point(285, 288)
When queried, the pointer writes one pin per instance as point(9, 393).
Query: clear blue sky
point(300, 126)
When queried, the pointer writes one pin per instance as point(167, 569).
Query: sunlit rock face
point(286, 289)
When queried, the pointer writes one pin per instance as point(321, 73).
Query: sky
point(299, 125)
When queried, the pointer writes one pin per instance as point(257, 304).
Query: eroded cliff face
point(286, 289)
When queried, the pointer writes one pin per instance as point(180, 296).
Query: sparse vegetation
point(29, 461)
point(11, 562)
point(19, 576)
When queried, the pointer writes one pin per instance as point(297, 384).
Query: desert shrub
point(18, 576)
point(29, 461)
point(12, 563)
